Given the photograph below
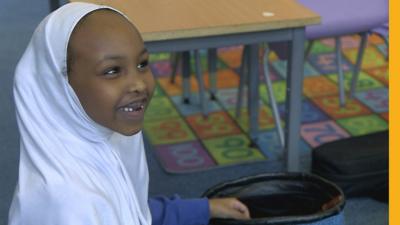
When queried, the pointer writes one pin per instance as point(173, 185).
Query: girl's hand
point(228, 208)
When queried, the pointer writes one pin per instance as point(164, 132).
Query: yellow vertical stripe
point(394, 114)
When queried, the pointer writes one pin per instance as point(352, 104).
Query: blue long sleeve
point(177, 211)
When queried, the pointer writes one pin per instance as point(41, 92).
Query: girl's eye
point(112, 72)
point(143, 64)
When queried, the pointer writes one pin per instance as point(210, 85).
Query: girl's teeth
point(129, 109)
point(126, 109)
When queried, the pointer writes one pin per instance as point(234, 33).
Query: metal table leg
point(200, 82)
point(293, 101)
point(186, 76)
point(212, 70)
point(253, 97)
point(242, 80)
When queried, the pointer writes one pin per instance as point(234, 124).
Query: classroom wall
point(18, 18)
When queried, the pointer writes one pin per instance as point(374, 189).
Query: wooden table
point(183, 25)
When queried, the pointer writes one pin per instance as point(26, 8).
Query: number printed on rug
point(232, 149)
point(376, 99)
point(184, 157)
point(331, 105)
point(215, 125)
point(173, 130)
point(316, 134)
point(363, 124)
point(160, 108)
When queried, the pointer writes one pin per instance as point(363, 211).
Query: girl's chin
point(130, 132)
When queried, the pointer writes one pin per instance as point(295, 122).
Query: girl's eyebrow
point(144, 51)
point(111, 57)
point(108, 57)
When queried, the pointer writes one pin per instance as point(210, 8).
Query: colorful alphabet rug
point(185, 141)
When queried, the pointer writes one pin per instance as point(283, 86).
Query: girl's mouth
point(133, 110)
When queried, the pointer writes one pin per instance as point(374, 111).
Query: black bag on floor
point(284, 199)
point(359, 165)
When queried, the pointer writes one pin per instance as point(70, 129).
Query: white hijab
point(72, 170)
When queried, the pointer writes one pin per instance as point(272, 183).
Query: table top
point(173, 19)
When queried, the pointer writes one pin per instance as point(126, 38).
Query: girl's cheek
point(151, 84)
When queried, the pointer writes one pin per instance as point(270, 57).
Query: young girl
point(81, 89)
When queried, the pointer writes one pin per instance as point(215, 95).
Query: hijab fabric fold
point(72, 170)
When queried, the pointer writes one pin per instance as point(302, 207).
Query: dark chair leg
point(338, 46)
point(308, 49)
point(356, 70)
point(175, 58)
point(212, 71)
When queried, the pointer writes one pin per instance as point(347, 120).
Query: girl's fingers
point(242, 209)
point(228, 208)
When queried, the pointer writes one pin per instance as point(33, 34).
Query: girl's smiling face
point(108, 69)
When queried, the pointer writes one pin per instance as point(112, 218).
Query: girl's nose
point(135, 83)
